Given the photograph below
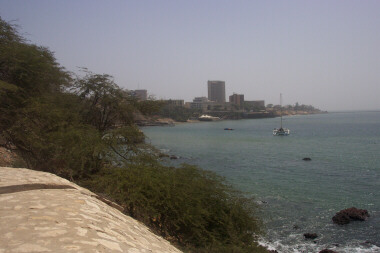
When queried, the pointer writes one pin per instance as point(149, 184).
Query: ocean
point(294, 196)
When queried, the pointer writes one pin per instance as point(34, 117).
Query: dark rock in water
point(357, 214)
point(341, 218)
point(327, 251)
point(347, 215)
point(310, 235)
point(296, 227)
point(173, 157)
point(307, 159)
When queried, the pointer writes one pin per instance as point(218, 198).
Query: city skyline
point(323, 53)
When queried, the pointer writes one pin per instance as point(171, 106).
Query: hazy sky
point(324, 53)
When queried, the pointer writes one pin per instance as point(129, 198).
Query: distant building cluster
point(237, 99)
point(140, 94)
point(175, 102)
point(215, 100)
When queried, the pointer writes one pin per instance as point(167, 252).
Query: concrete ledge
point(40, 212)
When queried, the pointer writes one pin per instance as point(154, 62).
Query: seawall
point(41, 212)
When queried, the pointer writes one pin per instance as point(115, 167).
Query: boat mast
point(281, 108)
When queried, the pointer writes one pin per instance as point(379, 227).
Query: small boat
point(229, 129)
point(281, 131)
point(208, 118)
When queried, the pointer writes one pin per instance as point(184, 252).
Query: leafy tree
point(49, 135)
point(150, 107)
point(31, 68)
point(29, 79)
point(110, 109)
point(104, 104)
point(38, 118)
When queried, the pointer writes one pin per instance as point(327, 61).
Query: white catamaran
point(281, 131)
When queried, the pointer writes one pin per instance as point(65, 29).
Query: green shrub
point(49, 136)
point(178, 113)
point(194, 208)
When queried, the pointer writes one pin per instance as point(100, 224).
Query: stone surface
point(347, 215)
point(59, 216)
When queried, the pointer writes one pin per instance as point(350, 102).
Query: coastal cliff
point(41, 212)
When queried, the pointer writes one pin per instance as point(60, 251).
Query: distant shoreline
point(355, 111)
point(223, 116)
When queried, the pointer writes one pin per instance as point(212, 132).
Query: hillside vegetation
point(82, 128)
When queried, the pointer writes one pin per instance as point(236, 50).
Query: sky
point(323, 53)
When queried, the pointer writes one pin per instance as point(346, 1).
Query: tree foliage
point(150, 107)
point(104, 104)
point(178, 113)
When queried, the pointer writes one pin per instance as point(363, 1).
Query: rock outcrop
point(310, 235)
point(327, 251)
point(41, 212)
point(350, 214)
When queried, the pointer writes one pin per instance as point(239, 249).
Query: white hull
point(208, 118)
point(281, 132)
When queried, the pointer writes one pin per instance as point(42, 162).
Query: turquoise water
point(295, 196)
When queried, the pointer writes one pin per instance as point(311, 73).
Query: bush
point(49, 136)
point(194, 208)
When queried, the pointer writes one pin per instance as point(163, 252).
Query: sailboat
point(281, 131)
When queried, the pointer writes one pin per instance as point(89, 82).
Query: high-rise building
point(217, 91)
